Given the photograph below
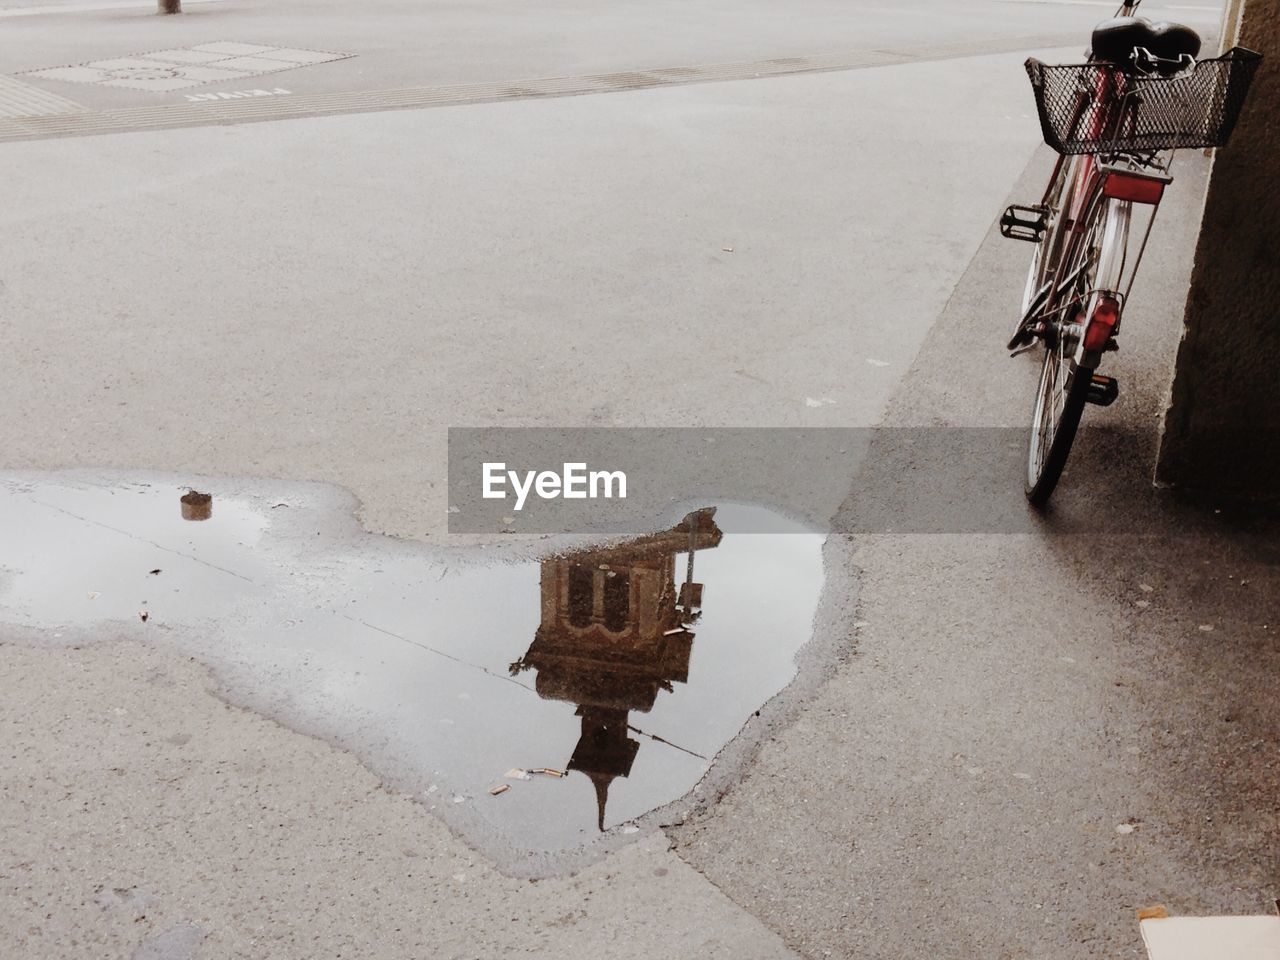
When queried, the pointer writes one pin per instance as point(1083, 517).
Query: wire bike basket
point(1110, 108)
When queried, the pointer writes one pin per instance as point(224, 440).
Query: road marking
point(159, 71)
point(259, 109)
point(18, 99)
point(48, 9)
point(235, 95)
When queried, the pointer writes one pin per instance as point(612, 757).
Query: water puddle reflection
point(620, 670)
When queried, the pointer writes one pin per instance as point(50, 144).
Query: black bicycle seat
point(1115, 40)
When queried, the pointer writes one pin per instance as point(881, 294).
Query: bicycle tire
point(1048, 449)
point(1047, 251)
point(1043, 474)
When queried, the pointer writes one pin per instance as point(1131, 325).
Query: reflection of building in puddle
point(615, 632)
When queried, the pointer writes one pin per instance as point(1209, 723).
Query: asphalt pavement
point(994, 745)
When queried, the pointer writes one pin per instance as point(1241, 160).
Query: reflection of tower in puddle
point(614, 632)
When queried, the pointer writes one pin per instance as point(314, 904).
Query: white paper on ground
point(1212, 938)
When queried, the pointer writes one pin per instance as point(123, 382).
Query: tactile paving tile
point(163, 70)
point(18, 99)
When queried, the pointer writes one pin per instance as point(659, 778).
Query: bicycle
point(1116, 122)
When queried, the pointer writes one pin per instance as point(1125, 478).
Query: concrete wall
point(1231, 23)
point(1222, 428)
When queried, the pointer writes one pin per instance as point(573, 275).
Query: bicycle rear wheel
point(1060, 400)
point(1046, 253)
point(1095, 262)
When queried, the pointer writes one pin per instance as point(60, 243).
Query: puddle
point(625, 666)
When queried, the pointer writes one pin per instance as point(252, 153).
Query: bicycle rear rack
point(1024, 223)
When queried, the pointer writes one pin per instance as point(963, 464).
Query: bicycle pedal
point(1102, 390)
point(1024, 223)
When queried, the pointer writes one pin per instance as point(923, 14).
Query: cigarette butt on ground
point(550, 772)
point(500, 788)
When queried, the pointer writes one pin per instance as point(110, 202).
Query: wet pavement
point(974, 719)
point(532, 703)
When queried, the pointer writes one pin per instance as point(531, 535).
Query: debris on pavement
point(1224, 938)
point(500, 788)
point(154, 573)
point(143, 616)
point(516, 773)
point(548, 771)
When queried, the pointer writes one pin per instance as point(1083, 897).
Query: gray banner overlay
point(881, 480)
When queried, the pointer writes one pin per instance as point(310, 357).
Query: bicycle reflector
point(1132, 186)
point(1102, 324)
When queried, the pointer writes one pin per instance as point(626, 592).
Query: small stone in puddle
point(196, 505)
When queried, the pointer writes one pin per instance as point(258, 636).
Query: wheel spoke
point(1060, 399)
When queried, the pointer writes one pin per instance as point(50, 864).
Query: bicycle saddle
point(1116, 39)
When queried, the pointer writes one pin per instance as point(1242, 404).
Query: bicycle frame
point(1082, 165)
point(1077, 195)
